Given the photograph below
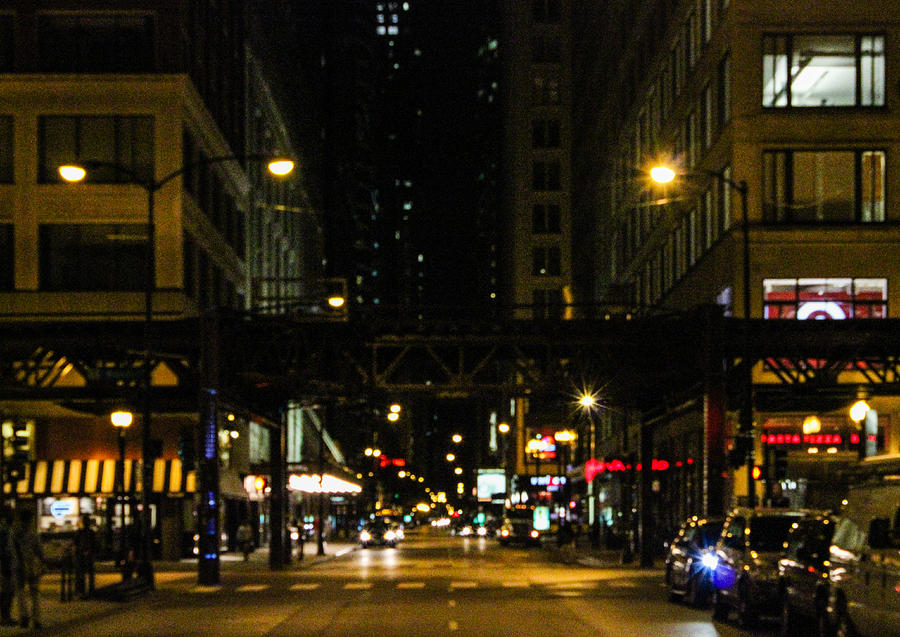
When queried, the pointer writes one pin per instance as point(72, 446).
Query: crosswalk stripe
point(205, 589)
point(357, 586)
point(410, 585)
point(568, 586)
point(252, 588)
point(457, 585)
point(305, 586)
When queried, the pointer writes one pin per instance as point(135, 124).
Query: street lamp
point(456, 438)
point(664, 174)
point(208, 560)
point(121, 420)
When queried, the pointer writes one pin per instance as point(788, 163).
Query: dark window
point(546, 11)
point(545, 133)
point(545, 219)
point(824, 186)
point(6, 256)
point(823, 70)
point(6, 150)
point(546, 175)
point(548, 304)
point(7, 42)
point(95, 42)
point(545, 261)
point(124, 145)
point(723, 91)
point(93, 257)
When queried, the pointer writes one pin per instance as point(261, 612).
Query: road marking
point(567, 586)
point(411, 585)
point(458, 585)
point(564, 593)
point(357, 586)
point(206, 589)
point(252, 588)
point(620, 584)
point(306, 586)
point(515, 584)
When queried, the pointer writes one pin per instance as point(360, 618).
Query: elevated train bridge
point(649, 364)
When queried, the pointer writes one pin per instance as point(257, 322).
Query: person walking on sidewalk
point(245, 539)
point(85, 547)
point(8, 567)
point(30, 557)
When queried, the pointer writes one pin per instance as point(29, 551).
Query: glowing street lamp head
point(587, 401)
point(395, 408)
point(393, 416)
point(281, 167)
point(451, 457)
point(858, 411)
point(456, 438)
point(72, 173)
point(503, 428)
point(121, 418)
point(336, 301)
point(662, 174)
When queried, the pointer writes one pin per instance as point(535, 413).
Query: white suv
point(864, 596)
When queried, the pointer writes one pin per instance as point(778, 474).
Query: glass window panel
point(58, 145)
point(872, 185)
point(823, 186)
point(775, 71)
point(871, 71)
point(97, 141)
point(6, 256)
point(823, 70)
point(92, 257)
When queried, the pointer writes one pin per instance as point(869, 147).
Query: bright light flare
point(121, 418)
point(710, 561)
point(662, 174)
point(72, 172)
point(281, 167)
point(859, 410)
point(336, 301)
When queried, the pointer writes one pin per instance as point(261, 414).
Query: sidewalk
point(56, 614)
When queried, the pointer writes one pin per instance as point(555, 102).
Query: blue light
point(211, 556)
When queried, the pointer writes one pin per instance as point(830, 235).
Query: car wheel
point(720, 607)
point(746, 612)
point(789, 625)
point(694, 595)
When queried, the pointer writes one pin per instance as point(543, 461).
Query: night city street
point(432, 584)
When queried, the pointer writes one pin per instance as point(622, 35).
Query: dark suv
point(803, 575)
point(746, 577)
point(691, 560)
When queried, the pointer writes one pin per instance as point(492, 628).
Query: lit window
point(824, 299)
point(823, 70)
point(380, 30)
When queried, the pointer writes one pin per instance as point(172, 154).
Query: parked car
point(864, 596)
point(691, 560)
point(746, 576)
point(803, 575)
point(519, 530)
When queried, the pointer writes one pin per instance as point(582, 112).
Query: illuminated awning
point(98, 477)
point(310, 483)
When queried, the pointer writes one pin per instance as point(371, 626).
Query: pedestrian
point(245, 539)
point(8, 567)
point(31, 566)
point(85, 549)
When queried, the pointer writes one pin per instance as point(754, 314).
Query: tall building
point(538, 270)
point(779, 111)
point(154, 93)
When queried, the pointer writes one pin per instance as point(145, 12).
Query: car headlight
point(482, 531)
point(390, 536)
point(535, 534)
point(365, 536)
point(710, 561)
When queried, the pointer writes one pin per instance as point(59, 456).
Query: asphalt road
point(430, 585)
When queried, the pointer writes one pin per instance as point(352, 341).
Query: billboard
point(491, 482)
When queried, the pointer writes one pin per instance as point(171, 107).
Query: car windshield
point(768, 533)
point(709, 534)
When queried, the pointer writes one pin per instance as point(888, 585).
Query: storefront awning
point(98, 477)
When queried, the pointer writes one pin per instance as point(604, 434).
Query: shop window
point(823, 70)
point(123, 144)
point(824, 186)
point(92, 257)
point(824, 299)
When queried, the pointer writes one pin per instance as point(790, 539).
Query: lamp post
point(121, 420)
point(77, 172)
point(587, 402)
point(663, 174)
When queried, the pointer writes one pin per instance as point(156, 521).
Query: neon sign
point(807, 439)
point(593, 467)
